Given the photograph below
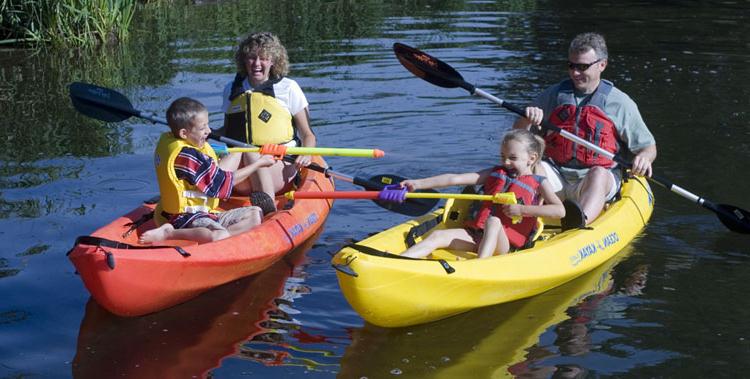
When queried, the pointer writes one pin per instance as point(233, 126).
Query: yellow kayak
point(392, 291)
point(498, 344)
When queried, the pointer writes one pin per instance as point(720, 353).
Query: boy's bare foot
point(155, 235)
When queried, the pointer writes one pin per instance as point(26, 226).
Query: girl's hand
point(512, 210)
point(410, 184)
point(303, 161)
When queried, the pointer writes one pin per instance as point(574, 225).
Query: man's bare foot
point(155, 235)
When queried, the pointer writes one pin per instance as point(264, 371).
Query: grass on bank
point(70, 23)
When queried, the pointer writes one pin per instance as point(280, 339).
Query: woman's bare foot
point(155, 235)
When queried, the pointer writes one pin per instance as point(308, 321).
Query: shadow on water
point(498, 341)
point(190, 339)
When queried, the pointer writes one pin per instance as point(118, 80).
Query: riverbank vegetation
point(68, 23)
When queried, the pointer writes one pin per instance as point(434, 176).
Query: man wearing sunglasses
point(592, 108)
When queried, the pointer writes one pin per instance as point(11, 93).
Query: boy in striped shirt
point(192, 181)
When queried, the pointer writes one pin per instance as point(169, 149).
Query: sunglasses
point(582, 66)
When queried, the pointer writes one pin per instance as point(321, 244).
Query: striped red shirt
point(203, 172)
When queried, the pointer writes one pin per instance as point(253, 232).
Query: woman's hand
point(265, 161)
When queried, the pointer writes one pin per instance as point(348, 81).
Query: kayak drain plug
point(110, 260)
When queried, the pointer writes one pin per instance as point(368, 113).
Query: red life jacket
point(526, 188)
point(587, 121)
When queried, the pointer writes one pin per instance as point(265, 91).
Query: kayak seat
point(263, 201)
point(538, 231)
point(574, 216)
point(417, 231)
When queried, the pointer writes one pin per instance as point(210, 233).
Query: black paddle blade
point(429, 68)
point(736, 219)
point(100, 103)
point(410, 207)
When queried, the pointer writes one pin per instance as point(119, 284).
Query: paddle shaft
point(327, 151)
point(372, 195)
point(500, 198)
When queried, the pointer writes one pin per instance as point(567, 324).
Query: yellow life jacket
point(177, 195)
point(257, 117)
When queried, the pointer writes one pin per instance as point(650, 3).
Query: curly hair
point(263, 44)
point(586, 41)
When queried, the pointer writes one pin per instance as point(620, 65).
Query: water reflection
point(188, 340)
point(287, 342)
point(688, 79)
point(500, 341)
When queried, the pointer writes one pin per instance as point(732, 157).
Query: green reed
point(70, 23)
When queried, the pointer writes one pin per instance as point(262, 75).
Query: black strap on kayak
point(420, 230)
point(137, 223)
point(380, 253)
point(143, 219)
point(98, 241)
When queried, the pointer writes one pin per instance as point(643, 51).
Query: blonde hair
point(534, 143)
point(263, 44)
point(181, 113)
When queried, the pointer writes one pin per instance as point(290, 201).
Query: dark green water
point(674, 305)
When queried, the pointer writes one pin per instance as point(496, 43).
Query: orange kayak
point(129, 279)
point(187, 340)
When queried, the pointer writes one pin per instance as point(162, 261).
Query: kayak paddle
point(108, 105)
point(443, 75)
